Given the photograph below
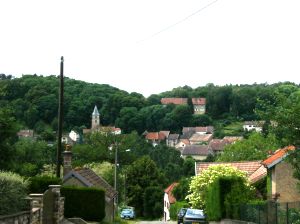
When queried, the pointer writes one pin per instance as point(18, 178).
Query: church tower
point(95, 118)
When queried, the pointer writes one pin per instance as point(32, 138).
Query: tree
point(256, 147)
point(8, 130)
point(199, 184)
point(152, 202)
point(181, 190)
point(141, 174)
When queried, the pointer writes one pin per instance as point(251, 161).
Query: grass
point(234, 129)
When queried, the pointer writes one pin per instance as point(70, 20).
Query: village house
point(26, 133)
point(199, 104)
point(253, 126)
point(284, 187)
point(182, 144)
point(85, 177)
point(254, 169)
point(216, 146)
point(197, 152)
point(172, 140)
point(168, 200)
point(199, 130)
point(198, 139)
point(156, 137)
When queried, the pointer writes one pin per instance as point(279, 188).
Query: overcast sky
point(151, 46)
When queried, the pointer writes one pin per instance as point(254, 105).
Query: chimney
point(67, 156)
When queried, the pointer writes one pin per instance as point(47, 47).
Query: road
point(157, 222)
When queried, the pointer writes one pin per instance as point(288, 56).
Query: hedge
point(224, 197)
point(13, 191)
point(39, 184)
point(83, 202)
point(174, 208)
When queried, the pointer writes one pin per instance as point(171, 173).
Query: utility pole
point(60, 117)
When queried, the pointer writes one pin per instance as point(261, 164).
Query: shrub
point(39, 184)
point(224, 197)
point(13, 191)
point(83, 202)
point(174, 209)
point(152, 202)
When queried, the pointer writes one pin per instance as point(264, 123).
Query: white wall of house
point(252, 127)
point(166, 207)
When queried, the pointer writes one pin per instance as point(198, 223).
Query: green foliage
point(225, 195)
point(180, 191)
point(39, 184)
point(213, 201)
point(33, 154)
point(189, 166)
point(200, 183)
point(83, 202)
point(13, 191)
point(141, 174)
point(174, 208)
point(256, 147)
point(152, 202)
point(8, 129)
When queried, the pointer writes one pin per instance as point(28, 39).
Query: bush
point(174, 209)
point(152, 202)
point(13, 191)
point(224, 197)
point(39, 184)
point(83, 202)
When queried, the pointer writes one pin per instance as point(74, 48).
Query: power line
point(178, 22)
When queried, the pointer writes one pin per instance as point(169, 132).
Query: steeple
point(95, 118)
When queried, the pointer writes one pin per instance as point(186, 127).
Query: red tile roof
point(176, 101)
point(169, 190)
point(257, 175)
point(217, 144)
point(250, 167)
point(232, 139)
point(277, 156)
point(155, 136)
point(199, 101)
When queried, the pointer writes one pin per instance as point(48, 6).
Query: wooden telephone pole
point(60, 117)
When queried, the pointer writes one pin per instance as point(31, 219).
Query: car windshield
point(194, 212)
point(126, 211)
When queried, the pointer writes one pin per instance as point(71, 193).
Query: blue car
point(128, 213)
point(193, 216)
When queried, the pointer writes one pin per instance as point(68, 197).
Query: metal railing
point(271, 213)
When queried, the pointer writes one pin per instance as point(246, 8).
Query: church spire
point(95, 118)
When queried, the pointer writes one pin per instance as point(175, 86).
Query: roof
point(232, 139)
point(255, 123)
point(173, 136)
point(207, 129)
point(257, 175)
point(217, 144)
point(166, 133)
point(95, 112)
point(200, 137)
point(90, 179)
point(248, 166)
point(169, 190)
point(176, 101)
point(278, 156)
point(201, 150)
point(25, 133)
point(199, 101)
point(155, 136)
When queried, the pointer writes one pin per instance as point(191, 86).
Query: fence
point(271, 213)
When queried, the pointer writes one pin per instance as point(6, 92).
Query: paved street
point(157, 222)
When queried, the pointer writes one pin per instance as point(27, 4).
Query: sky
point(152, 46)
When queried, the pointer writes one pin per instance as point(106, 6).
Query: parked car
point(193, 216)
point(180, 215)
point(127, 213)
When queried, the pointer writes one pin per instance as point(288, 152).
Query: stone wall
point(18, 218)
point(38, 209)
point(286, 184)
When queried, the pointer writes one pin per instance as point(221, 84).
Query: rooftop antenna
point(60, 117)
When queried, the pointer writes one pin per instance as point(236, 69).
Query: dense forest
point(33, 101)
